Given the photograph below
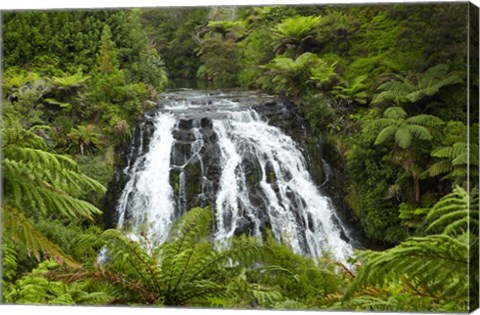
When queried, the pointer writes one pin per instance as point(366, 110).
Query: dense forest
point(386, 88)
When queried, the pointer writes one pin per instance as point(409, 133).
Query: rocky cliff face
point(278, 112)
point(249, 157)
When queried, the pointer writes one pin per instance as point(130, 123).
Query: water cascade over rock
point(238, 153)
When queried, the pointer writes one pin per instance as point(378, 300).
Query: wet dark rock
point(185, 124)
point(202, 173)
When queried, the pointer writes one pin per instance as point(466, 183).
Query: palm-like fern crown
point(293, 66)
point(296, 27)
point(70, 81)
point(294, 32)
point(290, 74)
point(411, 90)
point(403, 130)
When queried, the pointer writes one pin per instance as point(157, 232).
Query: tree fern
point(70, 81)
point(352, 90)
point(294, 31)
point(183, 270)
point(436, 266)
point(85, 137)
point(405, 90)
point(457, 161)
point(290, 76)
point(396, 126)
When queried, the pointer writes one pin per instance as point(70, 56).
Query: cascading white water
point(298, 214)
point(148, 194)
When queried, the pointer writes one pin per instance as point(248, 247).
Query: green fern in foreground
point(185, 270)
point(435, 266)
point(455, 214)
point(39, 183)
point(35, 288)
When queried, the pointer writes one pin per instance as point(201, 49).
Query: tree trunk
point(416, 186)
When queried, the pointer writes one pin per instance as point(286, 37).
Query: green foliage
point(435, 265)
point(185, 269)
point(290, 77)
point(79, 69)
point(458, 161)
point(395, 125)
point(336, 30)
point(18, 228)
point(294, 35)
point(150, 69)
point(256, 50)
point(40, 179)
point(40, 183)
point(228, 29)
point(299, 278)
point(69, 38)
point(317, 109)
point(70, 81)
point(418, 87)
point(323, 74)
point(85, 137)
point(220, 61)
point(354, 90)
point(452, 215)
point(174, 33)
point(36, 288)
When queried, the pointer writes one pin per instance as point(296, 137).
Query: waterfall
point(148, 194)
point(219, 151)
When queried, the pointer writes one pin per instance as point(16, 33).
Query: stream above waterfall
point(239, 153)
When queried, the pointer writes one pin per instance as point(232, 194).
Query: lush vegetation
point(385, 86)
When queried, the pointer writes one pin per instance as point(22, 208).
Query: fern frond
point(69, 81)
point(392, 91)
point(41, 196)
point(9, 260)
point(40, 157)
point(17, 136)
point(432, 262)
point(417, 87)
point(424, 120)
point(395, 113)
point(452, 214)
point(296, 27)
point(191, 227)
point(438, 168)
point(386, 134)
point(451, 152)
point(19, 228)
point(403, 138)
point(418, 132)
point(45, 181)
point(380, 123)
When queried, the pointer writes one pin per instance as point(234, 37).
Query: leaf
point(19, 228)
